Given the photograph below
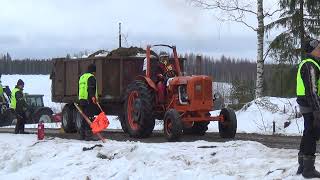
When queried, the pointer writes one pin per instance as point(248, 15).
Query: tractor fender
point(148, 81)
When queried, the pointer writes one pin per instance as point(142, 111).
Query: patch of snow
point(23, 157)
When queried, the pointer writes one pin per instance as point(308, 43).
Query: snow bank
point(22, 157)
point(258, 116)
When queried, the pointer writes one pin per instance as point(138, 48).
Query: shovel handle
point(88, 121)
point(99, 107)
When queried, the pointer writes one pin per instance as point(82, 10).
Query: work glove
point(94, 100)
point(316, 119)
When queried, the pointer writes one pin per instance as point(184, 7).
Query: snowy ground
point(23, 157)
point(255, 117)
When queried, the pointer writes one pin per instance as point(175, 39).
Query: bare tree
point(239, 11)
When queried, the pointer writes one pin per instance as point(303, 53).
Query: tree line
point(241, 73)
point(25, 66)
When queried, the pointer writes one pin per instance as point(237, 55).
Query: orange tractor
point(186, 109)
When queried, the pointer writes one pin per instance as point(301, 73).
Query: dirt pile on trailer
point(131, 51)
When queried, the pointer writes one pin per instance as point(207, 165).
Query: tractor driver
point(166, 71)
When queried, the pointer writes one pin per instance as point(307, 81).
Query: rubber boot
point(300, 161)
point(309, 170)
point(89, 136)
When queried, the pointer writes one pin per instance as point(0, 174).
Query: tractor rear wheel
point(68, 124)
point(228, 128)
point(123, 123)
point(10, 117)
point(198, 128)
point(172, 125)
point(138, 108)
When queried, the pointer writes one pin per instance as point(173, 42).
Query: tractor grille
point(203, 90)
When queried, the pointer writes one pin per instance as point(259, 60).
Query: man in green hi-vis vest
point(19, 104)
point(308, 91)
point(87, 97)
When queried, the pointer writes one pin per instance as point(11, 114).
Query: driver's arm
point(160, 72)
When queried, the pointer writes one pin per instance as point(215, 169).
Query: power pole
point(119, 34)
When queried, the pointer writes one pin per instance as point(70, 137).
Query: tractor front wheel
point(172, 125)
point(228, 128)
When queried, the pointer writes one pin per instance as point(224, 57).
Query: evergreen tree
point(8, 57)
point(299, 18)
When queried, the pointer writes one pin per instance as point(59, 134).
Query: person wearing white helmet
point(165, 73)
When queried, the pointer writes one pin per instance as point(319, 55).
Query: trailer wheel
point(78, 120)
point(198, 128)
point(228, 128)
point(172, 125)
point(138, 108)
point(68, 124)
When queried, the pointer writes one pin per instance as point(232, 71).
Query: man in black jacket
point(19, 104)
point(88, 96)
point(308, 91)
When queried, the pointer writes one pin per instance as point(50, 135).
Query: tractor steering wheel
point(169, 74)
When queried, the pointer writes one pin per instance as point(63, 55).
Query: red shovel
point(99, 124)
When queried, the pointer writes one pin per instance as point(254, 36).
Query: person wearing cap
point(308, 91)
point(87, 98)
point(166, 71)
point(19, 104)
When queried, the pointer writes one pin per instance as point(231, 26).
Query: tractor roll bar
point(175, 55)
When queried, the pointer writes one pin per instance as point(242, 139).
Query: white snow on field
point(258, 116)
point(23, 157)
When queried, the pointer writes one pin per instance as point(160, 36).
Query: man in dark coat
point(87, 97)
point(308, 91)
point(19, 104)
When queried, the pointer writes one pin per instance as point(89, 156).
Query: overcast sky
point(53, 28)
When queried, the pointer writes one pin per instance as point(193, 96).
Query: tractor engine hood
point(182, 80)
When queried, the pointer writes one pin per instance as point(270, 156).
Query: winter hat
point(20, 82)
point(310, 44)
point(92, 68)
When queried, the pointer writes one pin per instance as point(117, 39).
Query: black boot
point(300, 161)
point(90, 136)
point(308, 167)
